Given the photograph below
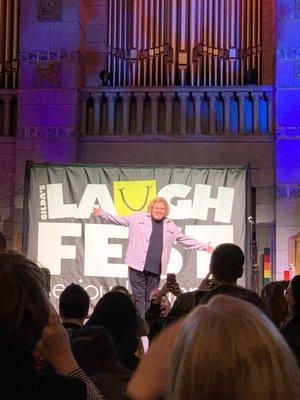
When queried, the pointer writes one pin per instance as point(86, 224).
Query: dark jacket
point(21, 381)
point(112, 381)
point(291, 333)
point(155, 321)
point(184, 304)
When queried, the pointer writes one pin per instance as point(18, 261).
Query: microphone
point(251, 220)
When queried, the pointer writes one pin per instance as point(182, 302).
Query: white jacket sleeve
point(115, 219)
point(190, 243)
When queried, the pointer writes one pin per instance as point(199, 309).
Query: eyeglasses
point(287, 293)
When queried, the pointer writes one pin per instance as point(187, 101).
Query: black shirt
point(153, 257)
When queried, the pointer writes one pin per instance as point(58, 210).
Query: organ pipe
point(183, 42)
point(222, 42)
point(9, 33)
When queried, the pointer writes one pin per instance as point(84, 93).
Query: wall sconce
point(105, 77)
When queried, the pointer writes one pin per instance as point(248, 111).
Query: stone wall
point(63, 50)
point(7, 189)
point(96, 41)
point(287, 130)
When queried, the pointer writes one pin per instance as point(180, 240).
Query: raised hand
point(97, 211)
point(175, 289)
point(206, 282)
point(210, 249)
point(55, 345)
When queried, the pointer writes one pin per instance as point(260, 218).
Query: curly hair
point(159, 200)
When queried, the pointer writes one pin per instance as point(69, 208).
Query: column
point(140, 96)
point(7, 105)
point(125, 96)
point(97, 113)
point(183, 96)
point(270, 113)
point(227, 96)
point(197, 102)
point(154, 112)
point(256, 96)
point(212, 112)
point(84, 98)
point(242, 96)
point(168, 112)
point(111, 109)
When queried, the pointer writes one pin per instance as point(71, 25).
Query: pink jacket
point(140, 228)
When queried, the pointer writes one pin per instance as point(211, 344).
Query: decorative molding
point(47, 75)
point(290, 53)
point(47, 132)
point(48, 10)
point(50, 56)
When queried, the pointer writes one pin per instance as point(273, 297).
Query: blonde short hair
point(159, 200)
point(229, 350)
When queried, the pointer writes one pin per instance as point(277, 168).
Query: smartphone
point(171, 278)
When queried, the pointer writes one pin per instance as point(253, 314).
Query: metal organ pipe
point(222, 42)
point(120, 44)
point(199, 40)
point(139, 41)
point(156, 41)
point(145, 50)
point(125, 49)
point(2, 40)
point(8, 41)
point(205, 43)
point(185, 42)
point(9, 33)
point(192, 41)
point(162, 41)
point(243, 42)
point(248, 33)
point(109, 36)
point(173, 42)
point(216, 42)
point(232, 41)
point(237, 33)
point(15, 43)
point(258, 48)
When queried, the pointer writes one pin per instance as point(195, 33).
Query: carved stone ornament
point(49, 10)
point(47, 75)
point(47, 132)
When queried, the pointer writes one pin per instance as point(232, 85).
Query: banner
point(208, 203)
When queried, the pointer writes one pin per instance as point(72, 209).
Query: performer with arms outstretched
point(151, 237)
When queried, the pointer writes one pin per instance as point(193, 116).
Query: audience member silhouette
point(94, 351)
point(74, 305)
point(116, 312)
point(226, 266)
point(160, 306)
point(142, 325)
point(234, 291)
point(229, 350)
point(26, 320)
point(272, 296)
point(291, 330)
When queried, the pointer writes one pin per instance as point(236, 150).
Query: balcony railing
point(8, 112)
point(177, 111)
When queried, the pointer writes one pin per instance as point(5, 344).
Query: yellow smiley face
point(133, 196)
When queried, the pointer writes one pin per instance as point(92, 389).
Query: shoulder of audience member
point(182, 306)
